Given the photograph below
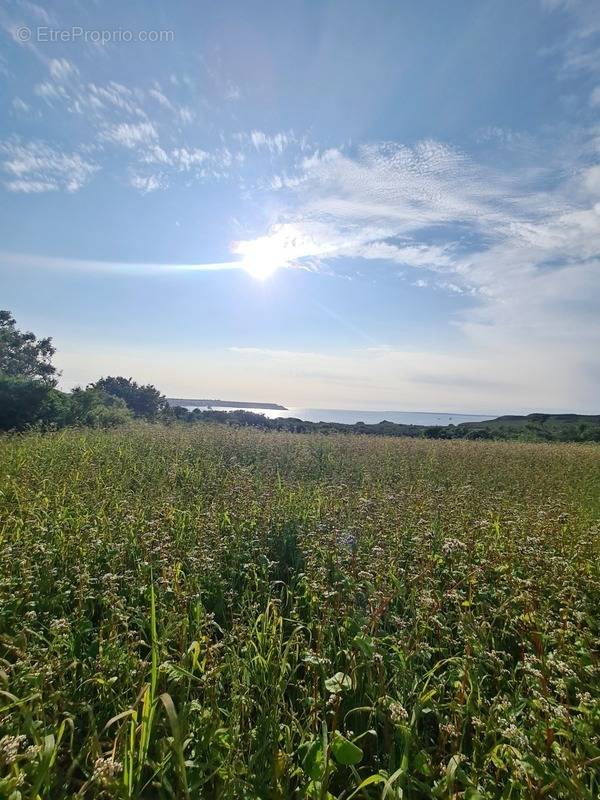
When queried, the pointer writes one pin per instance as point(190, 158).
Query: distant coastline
point(536, 427)
point(180, 401)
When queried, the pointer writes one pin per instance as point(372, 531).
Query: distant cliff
point(180, 401)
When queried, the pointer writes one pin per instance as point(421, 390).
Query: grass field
point(199, 612)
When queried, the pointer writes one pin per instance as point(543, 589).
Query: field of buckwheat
point(202, 612)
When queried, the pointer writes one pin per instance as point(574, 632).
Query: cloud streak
point(139, 269)
point(38, 167)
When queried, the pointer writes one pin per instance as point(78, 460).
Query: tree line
point(29, 399)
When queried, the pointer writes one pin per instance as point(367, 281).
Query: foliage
point(532, 428)
point(143, 401)
point(197, 611)
point(25, 403)
point(22, 354)
point(97, 409)
point(179, 412)
point(32, 403)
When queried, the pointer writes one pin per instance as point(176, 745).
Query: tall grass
point(201, 612)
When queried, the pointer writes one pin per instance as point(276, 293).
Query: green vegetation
point(144, 402)
point(197, 611)
point(29, 399)
point(23, 354)
point(540, 428)
point(531, 428)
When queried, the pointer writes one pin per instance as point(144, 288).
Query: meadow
point(204, 612)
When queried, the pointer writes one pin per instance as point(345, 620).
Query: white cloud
point(119, 113)
point(102, 98)
point(130, 135)
point(20, 105)
point(378, 203)
point(591, 181)
point(524, 245)
point(145, 183)
point(161, 99)
point(190, 160)
point(183, 113)
point(50, 92)
point(385, 202)
point(30, 187)
point(96, 102)
point(404, 189)
point(61, 69)
point(580, 43)
point(37, 167)
point(413, 255)
point(233, 92)
point(186, 115)
point(186, 158)
point(274, 143)
point(140, 120)
point(155, 155)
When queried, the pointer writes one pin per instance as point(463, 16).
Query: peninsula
point(180, 401)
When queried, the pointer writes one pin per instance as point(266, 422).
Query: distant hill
point(536, 427)
point(181, 401)
point(537, 419)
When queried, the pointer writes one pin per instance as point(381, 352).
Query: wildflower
point(529, 665)
point(560, 712)
point(449, 729)
point(514, 734)
point(106, 769)
point(451, 546)
point(348, 541)
point(397, 711)
point(10, 747)
point(563, 668)
point(33, 751)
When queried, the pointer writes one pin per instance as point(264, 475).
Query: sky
point(328, 203)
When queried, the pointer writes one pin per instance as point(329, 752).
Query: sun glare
point(261, 257)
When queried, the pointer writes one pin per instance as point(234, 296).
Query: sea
point(350, 417)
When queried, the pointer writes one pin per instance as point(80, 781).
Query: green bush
point(98, 409)
point(25, 403)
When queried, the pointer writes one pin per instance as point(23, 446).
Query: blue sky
point(383, 205)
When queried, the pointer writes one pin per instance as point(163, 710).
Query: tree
point(96, 408)
point(180, 413)
point(143, 401)
point(23, 354)
point(25, 403)
point(479, 433)
point(435, 432)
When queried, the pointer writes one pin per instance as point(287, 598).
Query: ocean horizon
point(351, 417)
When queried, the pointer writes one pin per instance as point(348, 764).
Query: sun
point(285, 245)
point(262, 257)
